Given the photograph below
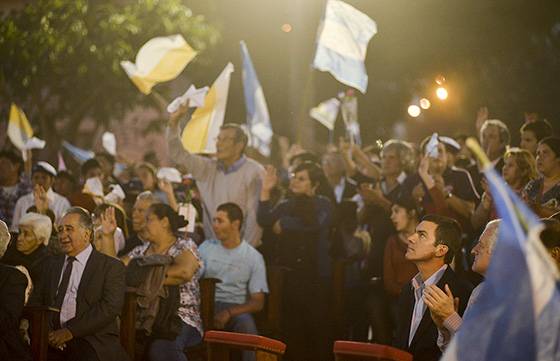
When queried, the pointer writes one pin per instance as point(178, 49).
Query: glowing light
point(441, 93)
point(414, 111)
point(286, 28)
point(425, 103)
point(440, 79)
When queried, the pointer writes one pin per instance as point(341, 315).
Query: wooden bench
point(38, 317)
point(221, 343)
point(354, 351)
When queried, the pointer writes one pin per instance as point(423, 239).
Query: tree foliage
point(61, 58)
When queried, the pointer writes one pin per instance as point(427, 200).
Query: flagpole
point(306, 101)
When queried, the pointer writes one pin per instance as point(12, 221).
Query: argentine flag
point(342, 44)
point(258, 120)
point(517, 315)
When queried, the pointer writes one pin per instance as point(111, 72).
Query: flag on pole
point(79, 154)
point(159, 60)
point(258, 119)
point(517, 315)
point(326, 112)
point(204, 125)
point(19, 129)
point(342, 44)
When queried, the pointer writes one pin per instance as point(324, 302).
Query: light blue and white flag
point(517, 315)
point(342, 44)
point(79, 154)
point(258, 119)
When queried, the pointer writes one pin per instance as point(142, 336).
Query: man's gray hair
point(84, 219)
point(494, 228)
point(41, 225)
point(4, 238)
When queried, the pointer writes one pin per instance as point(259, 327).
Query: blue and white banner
point(517, 315)
point(342, 44)
point(258, 119)
point(79, 154)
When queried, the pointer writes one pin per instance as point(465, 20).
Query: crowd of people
point(413, 225)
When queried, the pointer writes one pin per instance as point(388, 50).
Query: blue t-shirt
point(241, 270)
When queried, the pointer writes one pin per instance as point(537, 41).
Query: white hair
point(493, 226)
point(4, 237)
point(41, 225)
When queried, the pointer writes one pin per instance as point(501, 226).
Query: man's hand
point(108, 221)
point(58, 338)
point(221, 319)
point(165, 186)
point(41, 200)
point(441, 304)
point(175, 116)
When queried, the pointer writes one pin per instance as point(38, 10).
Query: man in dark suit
point(431, 248)
point(88, 288)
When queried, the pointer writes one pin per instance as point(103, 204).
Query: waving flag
point(159, 60)
point(517, 315)
point(326, 112)
point(79, 154)
point(342, 44)
point(19, 129)
point(204, 125)
point(258, 120)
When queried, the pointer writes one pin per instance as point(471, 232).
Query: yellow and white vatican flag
point(21, 133)
point(204, 125)
point(159, 60)
point(19, 129)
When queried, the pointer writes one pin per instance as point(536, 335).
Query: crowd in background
point(367, 208)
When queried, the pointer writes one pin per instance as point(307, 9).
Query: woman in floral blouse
point(162, 225)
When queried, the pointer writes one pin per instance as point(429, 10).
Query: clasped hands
point(58, 338)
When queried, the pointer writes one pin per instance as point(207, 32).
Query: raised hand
point(108, 221)
point(41, 200)
point(165, 186)
point(175, 116)
point(269, 178)
point(481, 117)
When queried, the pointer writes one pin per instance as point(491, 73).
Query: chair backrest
point(207, 300)
point(220, 343)
point(351, 351)
point(128, 322)
point(38, 317)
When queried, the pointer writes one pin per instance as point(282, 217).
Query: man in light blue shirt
point(239, 267)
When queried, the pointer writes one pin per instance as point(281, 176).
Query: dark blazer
point(99, 302)
point(424, 344)
point(12, 298)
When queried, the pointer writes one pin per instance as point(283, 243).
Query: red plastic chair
point(351, 351)
point(220, 343)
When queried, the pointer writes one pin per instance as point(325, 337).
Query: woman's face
point(511, 171)
point(300, 184)
point(548, 163)
point(147, 179)
point(400, 218)
point(155, 227)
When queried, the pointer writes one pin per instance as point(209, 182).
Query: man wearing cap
point(43, 197)
point(12, 186)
